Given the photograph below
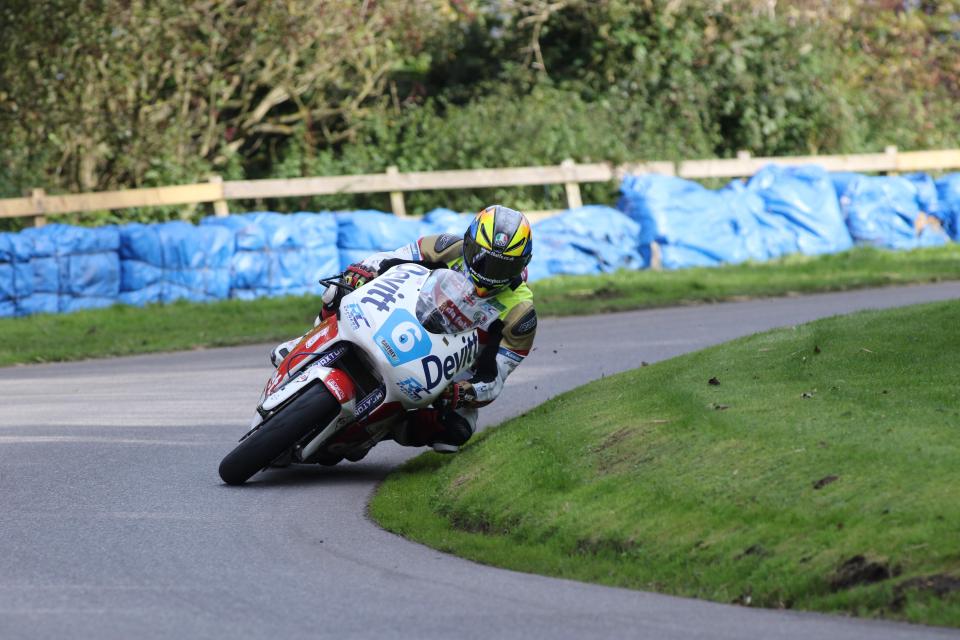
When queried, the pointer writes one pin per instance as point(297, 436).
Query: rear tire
point(313, 408)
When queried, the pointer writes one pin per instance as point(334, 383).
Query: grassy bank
point(124, 330)
point(812, 468)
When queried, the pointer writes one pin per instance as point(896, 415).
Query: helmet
point(496, 248)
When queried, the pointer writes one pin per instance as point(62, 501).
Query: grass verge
point(813, 467)
point(123, 330)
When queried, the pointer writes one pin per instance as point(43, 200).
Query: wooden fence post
point(891, 152)
point(38, 195)
point(220, 208)
point(574, 201)
point(396, 197)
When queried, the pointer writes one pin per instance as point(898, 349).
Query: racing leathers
point(504, 345)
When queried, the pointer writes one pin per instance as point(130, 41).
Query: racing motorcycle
point(394, 345)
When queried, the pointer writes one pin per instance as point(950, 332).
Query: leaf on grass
point(713, 381)
point(816, 349)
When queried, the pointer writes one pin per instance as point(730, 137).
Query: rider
point(493, 253)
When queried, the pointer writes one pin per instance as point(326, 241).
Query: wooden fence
point(39, 204)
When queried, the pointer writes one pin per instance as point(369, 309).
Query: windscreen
point(448, 303)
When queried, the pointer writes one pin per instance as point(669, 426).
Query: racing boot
point(443, 430)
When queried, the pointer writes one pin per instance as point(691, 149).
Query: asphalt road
point(114, 523)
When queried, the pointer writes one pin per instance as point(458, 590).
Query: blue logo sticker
point(402, 339)
point(355, 315)
point(412, 388)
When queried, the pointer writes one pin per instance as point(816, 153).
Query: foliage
point(542, 127)
point(98, 94)
point(143, 93)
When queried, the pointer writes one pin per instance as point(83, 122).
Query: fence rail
point(570, 174)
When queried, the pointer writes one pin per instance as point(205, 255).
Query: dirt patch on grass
point(858, 570)
point(756, 550)
point(614, 454)
point(941, 585)
point(481, 523)
point(593, 547)
point(461, 480)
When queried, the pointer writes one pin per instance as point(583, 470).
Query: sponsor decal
point(516, 357)
point(339, 385)
point(331, 356)
point(335, 389)
point(455, 316)
point(382, 292)
point(367, 404)
point(500, 239)
point(436, 370)
point(355, 315)
point(315, 338)
point(412, 388)
point(402, 339)
point(445, 241)
point(527, 324)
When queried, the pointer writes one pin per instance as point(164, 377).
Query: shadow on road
point(348, 473)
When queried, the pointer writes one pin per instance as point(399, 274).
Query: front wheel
point(313, 408)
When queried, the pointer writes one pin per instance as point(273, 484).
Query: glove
point(450, 397)
point(358, 275)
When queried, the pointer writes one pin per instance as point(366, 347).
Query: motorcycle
point(394, 345)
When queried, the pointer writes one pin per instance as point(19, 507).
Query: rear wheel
point(313, 408)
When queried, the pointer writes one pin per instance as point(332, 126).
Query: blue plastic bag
point(440, 221)
point(693, 225)
point(174, 260)
point(805, 201)
point(280, 254)
point(948, 195)
point(887, 211)
point(375, 231)
point(61, 268)
point(591, 239)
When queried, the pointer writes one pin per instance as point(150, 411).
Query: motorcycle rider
point(493, 253)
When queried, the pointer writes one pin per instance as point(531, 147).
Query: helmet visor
point(491, 269)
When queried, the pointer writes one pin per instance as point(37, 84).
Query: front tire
point(313, 408)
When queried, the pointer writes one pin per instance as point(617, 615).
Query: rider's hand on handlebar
point(450, 398)
point(358, 275)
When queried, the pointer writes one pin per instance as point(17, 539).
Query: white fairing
point(416, 365)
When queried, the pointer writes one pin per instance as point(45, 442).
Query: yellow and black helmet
point(496, 248)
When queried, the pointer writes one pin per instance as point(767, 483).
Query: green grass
point(820, 444)
point(122, 330)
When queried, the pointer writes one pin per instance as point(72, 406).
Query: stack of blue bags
point(783, 210)
point(58, 269)
point(173, 261)
point(779, 211)
point(277, 255)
